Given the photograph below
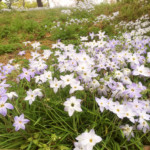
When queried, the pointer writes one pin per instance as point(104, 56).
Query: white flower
point(25, 43)
point(94, 84)
point(141, 70)
point(78, 146)
point(37, 79)
point(48, 74)
point(148, 57)
point(129, 113)
point(134, 59)
point(101, 35)
point(72, 104)
point(11, 95)
point(143, 125)
point(17, 66)
point(83, 38)
point(88, 140)
point(127, 131)
point(10, 61)
point(118, 110)
point(35, 45)
point(126, 80)
point(118, 74)
point(103, 89)
point(38, 93)
point(86, 76)
point(101, 102)
point(144, 115)
point(35, 54)
point(82, 67)
point(55, 84)
point(30, 96)
point(75, 86)
point(67, 79)
point(126, 71)
point(46, 54)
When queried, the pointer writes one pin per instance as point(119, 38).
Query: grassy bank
point(17, 27)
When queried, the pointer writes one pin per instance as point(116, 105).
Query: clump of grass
point(10, 48)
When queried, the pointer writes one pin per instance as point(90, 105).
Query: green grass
point(10, 48)
point(22, 26)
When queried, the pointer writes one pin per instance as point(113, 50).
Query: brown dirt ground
point(146, 147)
point(6, 57)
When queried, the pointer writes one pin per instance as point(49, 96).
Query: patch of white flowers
point(66, 11)
point(87, 5)
point(139, 27)
point(104, 17)
point(102, 65)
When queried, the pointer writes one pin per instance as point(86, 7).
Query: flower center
point(144, 123)
point(20, 121)
point(101, 87)
point(118, 110)
point(128, 129)
point(72, 104)
point(2, 105)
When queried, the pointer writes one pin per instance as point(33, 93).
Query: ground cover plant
point(93, 94)
point(17, 27)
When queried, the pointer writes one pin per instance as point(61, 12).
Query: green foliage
point(4, 32)
point(31, 4)
point(2, 5)
point(9, 3)
point(64, 33)
point(40, 34)
point(28, 4)
point(43, 47)
point(14, 38)
point(31, 25)
point(9, 48)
